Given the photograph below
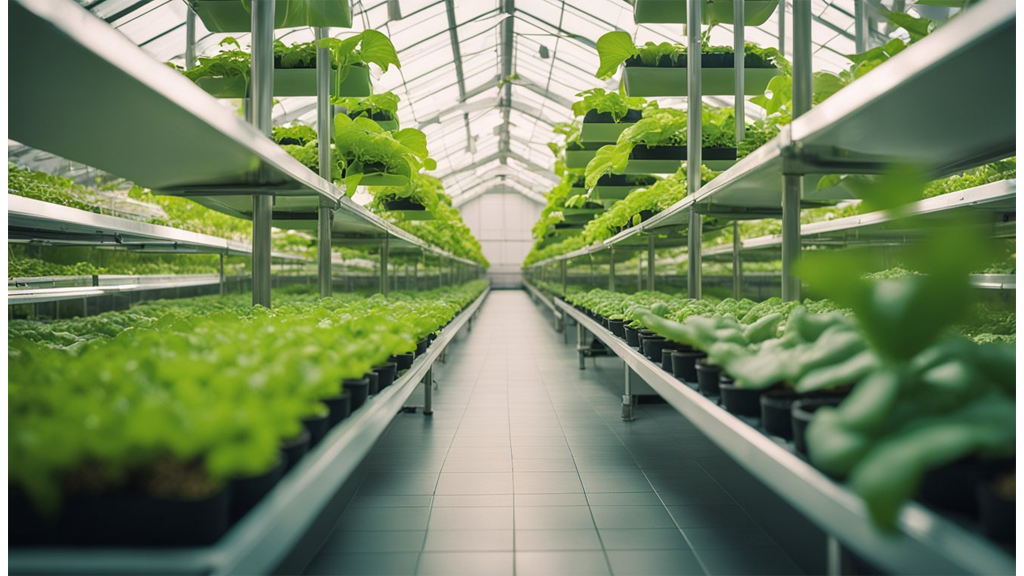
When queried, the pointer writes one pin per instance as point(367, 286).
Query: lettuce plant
point(602, 101)
point(364, 146)
point(385, 103)
point(615, 48)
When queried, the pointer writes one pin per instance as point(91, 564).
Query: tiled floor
point(527, 468)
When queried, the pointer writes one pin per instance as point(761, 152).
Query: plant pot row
point(983, 490)
point(136, 518)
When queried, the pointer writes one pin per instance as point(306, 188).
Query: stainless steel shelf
point(925, 543)
point(262, 539)
point(995, 203)
point(994, 281)
point(142, 120)
point(35, 221)
point(43, 295)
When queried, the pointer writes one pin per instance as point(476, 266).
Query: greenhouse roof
point(485, 131)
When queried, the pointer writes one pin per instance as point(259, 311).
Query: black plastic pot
point(740, 401)
point(954, 486)
point(776, 412)
point(684, 365)
point(26, 527)
point(652, 347)
point(371, 378)
point(385, 374)
point(595, 117)
point(295, 449)
point(421, 347)
point(643, 152)
point(625, 180)
point(617, 327)
point(632, 336)
point(801, 413)
point(576, 147)
point(403, 204)
point(134, 519)
point(708, 377)
point(317, 426)
point(997, 509)
point(360, 389)
point(247, 492)
point(404, 361)
point(666, 359)
point(340, 405)
point(706, 61)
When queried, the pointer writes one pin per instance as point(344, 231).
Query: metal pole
point(611, 269)
point(639, 273)
point(581, 336)
point(223, 286)
point(190, 39)
point(793, 183)
point(693, 143)
point(384, 266)
point(627, 395)
point(565, 277)
point(325, 213)
point(737, 264)
point(428, 392)
point(650, 262)
point(440, 272)
point(262, 75)
point(860, 26)
point(782, 27)
point(740, 103)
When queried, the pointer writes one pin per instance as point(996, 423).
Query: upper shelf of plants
point(159, 127)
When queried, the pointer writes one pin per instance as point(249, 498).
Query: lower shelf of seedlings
point(926, 542)
point(261, 539)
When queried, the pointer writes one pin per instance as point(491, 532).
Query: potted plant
point(755, 12)
point(605, 114)
point(236, 15)
point(381, 108)
point(611, 188)
point(372, 156)
point(655, 70)
point(417, 200)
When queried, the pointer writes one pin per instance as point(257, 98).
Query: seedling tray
point(292, 82)
point(755, 12)
point(654, 81)
point(578, 159)
point(235, 16)
point(600, 128)
point(667, 159)
point(581, 215)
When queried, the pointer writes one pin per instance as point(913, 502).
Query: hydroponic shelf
point(926, 542)
point(44, 295)
point(262, 539)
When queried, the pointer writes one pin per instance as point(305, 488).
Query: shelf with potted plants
point(755, 12)
point(236, 15)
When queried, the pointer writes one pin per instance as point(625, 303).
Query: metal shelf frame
point(926, 543)
point(261, 541)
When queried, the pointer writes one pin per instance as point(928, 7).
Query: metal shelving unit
point(926, 542)
point(151, 125)
point(259, 542)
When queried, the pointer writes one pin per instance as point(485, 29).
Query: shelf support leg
point(384, 267)
point(693, 140)
point(223, 286)
point(793, 183)
point(740, 102)
point(650, 262)
point(261, 73)
point(325, 213)
point(835, 557)
point(190, 39)
point(639, 274)
point(737, 263)
point(627, 395)
point(581, 336)
point(611, 269)
point(428, 392)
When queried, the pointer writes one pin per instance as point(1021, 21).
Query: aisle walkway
point(526, 468)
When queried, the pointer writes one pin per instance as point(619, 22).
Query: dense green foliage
point(211, 383)
point(615, 48)
point(600, 100)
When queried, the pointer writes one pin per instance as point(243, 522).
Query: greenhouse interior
point(500, 324)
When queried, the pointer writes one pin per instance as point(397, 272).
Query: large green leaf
point(613, 49)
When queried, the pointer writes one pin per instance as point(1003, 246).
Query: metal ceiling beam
point(504, 186)
point(460, 79)
point(507, 45)
point(499, 155)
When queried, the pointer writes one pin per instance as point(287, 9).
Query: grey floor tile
point(552, 517)
point(751, 561)
point(486, 441)
point(580, 539)
point(643, 539)
point(473, 500)
point(479, 452)
point(376, 519)
point(551, 500)
point(541, 452)
point(395, 484)
point(471, 519)
point(391, 564)
point(387, 501)
point(615, 482)
point(475, 483)
point(369, 542)
point(696, 497)
point(469, 541)
point(561, 563)
point(654, 562)
point(538, 441)
point(727, 538)
point(712, 516)
point(544, 465)
point(547, 482)
point(466, 564)
point(623, 499)
point(477, 465)
point(631, 517)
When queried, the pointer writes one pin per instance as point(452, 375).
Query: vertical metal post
point(782, 27)
point(581, 336)
point(611, 269)
point(737, 263)
point(627, 395)
point(565, 277)
point(793, 183)
point(428, 392)
point(651, 268)
point(262, 75)
point(190, 39)
point(384, 266)
point(440, 272)
point(223, 284)
point(325, 213)
point(740, 103)
point(693, 143)
point(861, 24)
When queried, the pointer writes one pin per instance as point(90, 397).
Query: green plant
point(615, 103)
point(363, 145)
point(615, 48)
point(384, 103)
